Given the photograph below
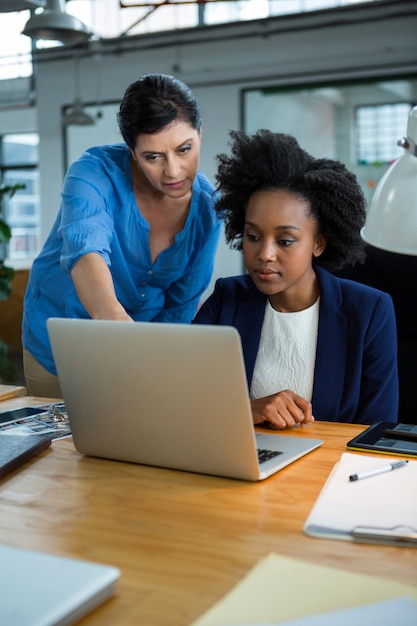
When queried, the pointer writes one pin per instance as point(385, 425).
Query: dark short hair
point(154, 101)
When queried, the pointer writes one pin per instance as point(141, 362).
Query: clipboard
point(379, 509)
point(387, 438)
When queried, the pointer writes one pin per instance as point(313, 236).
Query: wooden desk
point(181, 540)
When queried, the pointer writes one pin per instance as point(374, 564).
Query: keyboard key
point(265, 455)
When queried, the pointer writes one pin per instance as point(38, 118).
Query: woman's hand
point(282, 410)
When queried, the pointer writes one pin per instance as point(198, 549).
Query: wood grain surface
point(181, 540)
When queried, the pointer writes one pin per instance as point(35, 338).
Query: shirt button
point(142, 295)
point(150, 272)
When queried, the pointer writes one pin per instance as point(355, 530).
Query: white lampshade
point(391, 221)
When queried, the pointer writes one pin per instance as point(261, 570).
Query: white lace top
point(287, 352)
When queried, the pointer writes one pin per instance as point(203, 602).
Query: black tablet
point(387, 438)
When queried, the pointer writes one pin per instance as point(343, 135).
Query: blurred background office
point(341, 75)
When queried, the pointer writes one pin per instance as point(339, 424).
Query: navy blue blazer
point(356, 373)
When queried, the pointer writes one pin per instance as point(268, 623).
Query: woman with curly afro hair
point(313, 343)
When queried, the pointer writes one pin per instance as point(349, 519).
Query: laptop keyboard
point(265, 455)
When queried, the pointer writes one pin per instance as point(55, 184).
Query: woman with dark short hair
point(136, 233)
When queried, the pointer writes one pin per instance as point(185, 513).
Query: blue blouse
point(99, 214)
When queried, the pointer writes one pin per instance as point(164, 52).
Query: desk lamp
point(56, 25)
point(391, 221)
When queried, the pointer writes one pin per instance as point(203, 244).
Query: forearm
point(94, 285)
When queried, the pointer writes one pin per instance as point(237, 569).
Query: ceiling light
point(54, 24)
point(391, 221)
point(77, 116)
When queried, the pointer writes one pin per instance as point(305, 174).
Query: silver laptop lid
point(169, 395)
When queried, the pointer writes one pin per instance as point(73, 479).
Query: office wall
point(372, 41)
point(18, 120)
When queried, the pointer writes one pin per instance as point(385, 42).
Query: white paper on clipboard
point(379, 509)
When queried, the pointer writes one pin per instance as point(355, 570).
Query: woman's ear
point(320, 245)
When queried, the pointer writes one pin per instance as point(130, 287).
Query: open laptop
point(40, 589)
point(168, 395)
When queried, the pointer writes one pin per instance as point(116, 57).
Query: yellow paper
point(278, 589)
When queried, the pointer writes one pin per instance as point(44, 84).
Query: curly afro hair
point(268, 161)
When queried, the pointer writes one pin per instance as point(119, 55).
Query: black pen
point(374, 471)
point(401, 434)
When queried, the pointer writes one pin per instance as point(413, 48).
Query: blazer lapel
point(248, 321)
point(330, 363)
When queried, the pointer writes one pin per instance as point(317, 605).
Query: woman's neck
point(297, 298)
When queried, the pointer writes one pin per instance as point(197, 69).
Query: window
point(378, 129)
point(108, 19)
point(15, 48)
point(19, 165)
point(322, 116)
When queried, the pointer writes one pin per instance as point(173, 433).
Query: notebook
point(16, 450)
point(40, 589)
point(167, 395)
